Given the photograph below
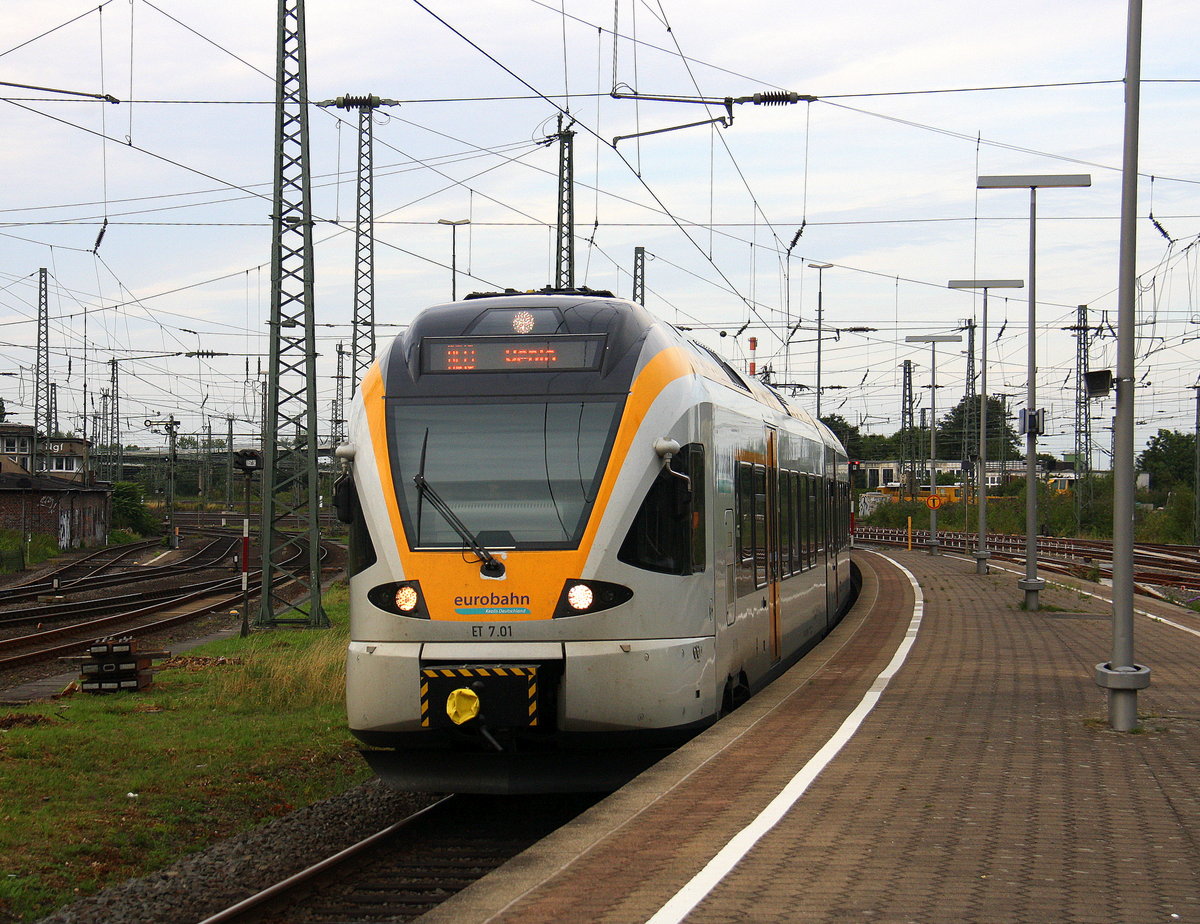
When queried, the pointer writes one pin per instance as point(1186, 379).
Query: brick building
point(78, 514)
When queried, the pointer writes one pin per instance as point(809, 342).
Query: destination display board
point(556, 353)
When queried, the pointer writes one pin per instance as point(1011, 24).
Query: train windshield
point(518, 475)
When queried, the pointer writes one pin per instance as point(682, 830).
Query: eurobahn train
point(576, 538)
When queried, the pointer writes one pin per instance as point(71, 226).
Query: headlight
point(406, 599)
point(579, 597)
point(403, 598)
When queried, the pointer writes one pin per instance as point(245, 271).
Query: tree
point(950, 435)
point(1169, 458)
point(846, 432)
point(128, 509)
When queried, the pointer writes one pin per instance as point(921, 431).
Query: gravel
point(207, 882)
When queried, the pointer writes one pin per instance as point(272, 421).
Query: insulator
point(357, 102)
point(776, 98)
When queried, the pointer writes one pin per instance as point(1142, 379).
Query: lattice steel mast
point(908, 449)
point(1083, 417)
point(564, 270)
point(363, 338)
point(41, 374)
point(970, 429)
point(639, 275)
point(290, 485)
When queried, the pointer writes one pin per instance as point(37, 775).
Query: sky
point(877, 173)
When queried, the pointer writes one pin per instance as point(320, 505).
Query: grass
point(97, 789)
point(38, 549)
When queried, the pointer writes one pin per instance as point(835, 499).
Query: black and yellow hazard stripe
point(460, 672)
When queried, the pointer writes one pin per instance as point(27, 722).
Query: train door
point(730, 570)
point(774, 566)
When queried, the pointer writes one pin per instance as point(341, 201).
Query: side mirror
point(345, 498)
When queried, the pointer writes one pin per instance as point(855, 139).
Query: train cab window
point(667, 534)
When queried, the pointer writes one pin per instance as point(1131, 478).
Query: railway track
point(1154, 564)
point(72, 579)
point(413, 865)
point(67, 627)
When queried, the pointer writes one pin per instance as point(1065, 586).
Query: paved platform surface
point(984, 785)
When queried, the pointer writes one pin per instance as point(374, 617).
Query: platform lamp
point(981, 554)
point(454, 252)
point(1031, 583)
point(933, 340)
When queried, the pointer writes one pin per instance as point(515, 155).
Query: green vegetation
point(1171, 523)
point(101, 788)
point(129, 511)
point(38, 549)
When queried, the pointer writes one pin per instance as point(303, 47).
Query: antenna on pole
point(290, 487)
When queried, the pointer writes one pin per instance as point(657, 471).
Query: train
point(576, 539)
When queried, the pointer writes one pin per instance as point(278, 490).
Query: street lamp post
point(981, 553)
point(820, 268)
point(454, 252)
point(933, 340)
point(1031, 583)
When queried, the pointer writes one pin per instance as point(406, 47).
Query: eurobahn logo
point(492, 605)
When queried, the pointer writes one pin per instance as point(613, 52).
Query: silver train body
point(576, 538)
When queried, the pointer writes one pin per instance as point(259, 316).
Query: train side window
point(791, 564)
point(797, 523)
point(760, 526)
point(783, 516)
point(667, 534)
point(745, 528)
point(810, 523)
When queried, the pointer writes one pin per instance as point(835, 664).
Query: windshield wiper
point(492, 567)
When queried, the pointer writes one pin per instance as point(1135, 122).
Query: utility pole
point(290, 487)
point(337, 430)
point(363, 337)
point(41, 375)
point(1196, 471)
point(1083, 418)
point(970, 430)
point(639, 275)
point(908, 453)
point(564, 270)
point(229, 464)
point(171, 425)
point(114, 426)
point(104, 437)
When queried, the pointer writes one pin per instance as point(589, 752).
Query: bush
point(129, 511)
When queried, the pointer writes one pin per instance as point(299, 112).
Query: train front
point(501, 450)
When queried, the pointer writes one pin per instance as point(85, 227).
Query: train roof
point(584, 312)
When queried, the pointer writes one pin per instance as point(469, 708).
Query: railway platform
point(942, 756)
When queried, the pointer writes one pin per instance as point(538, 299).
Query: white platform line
point(732, 853)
